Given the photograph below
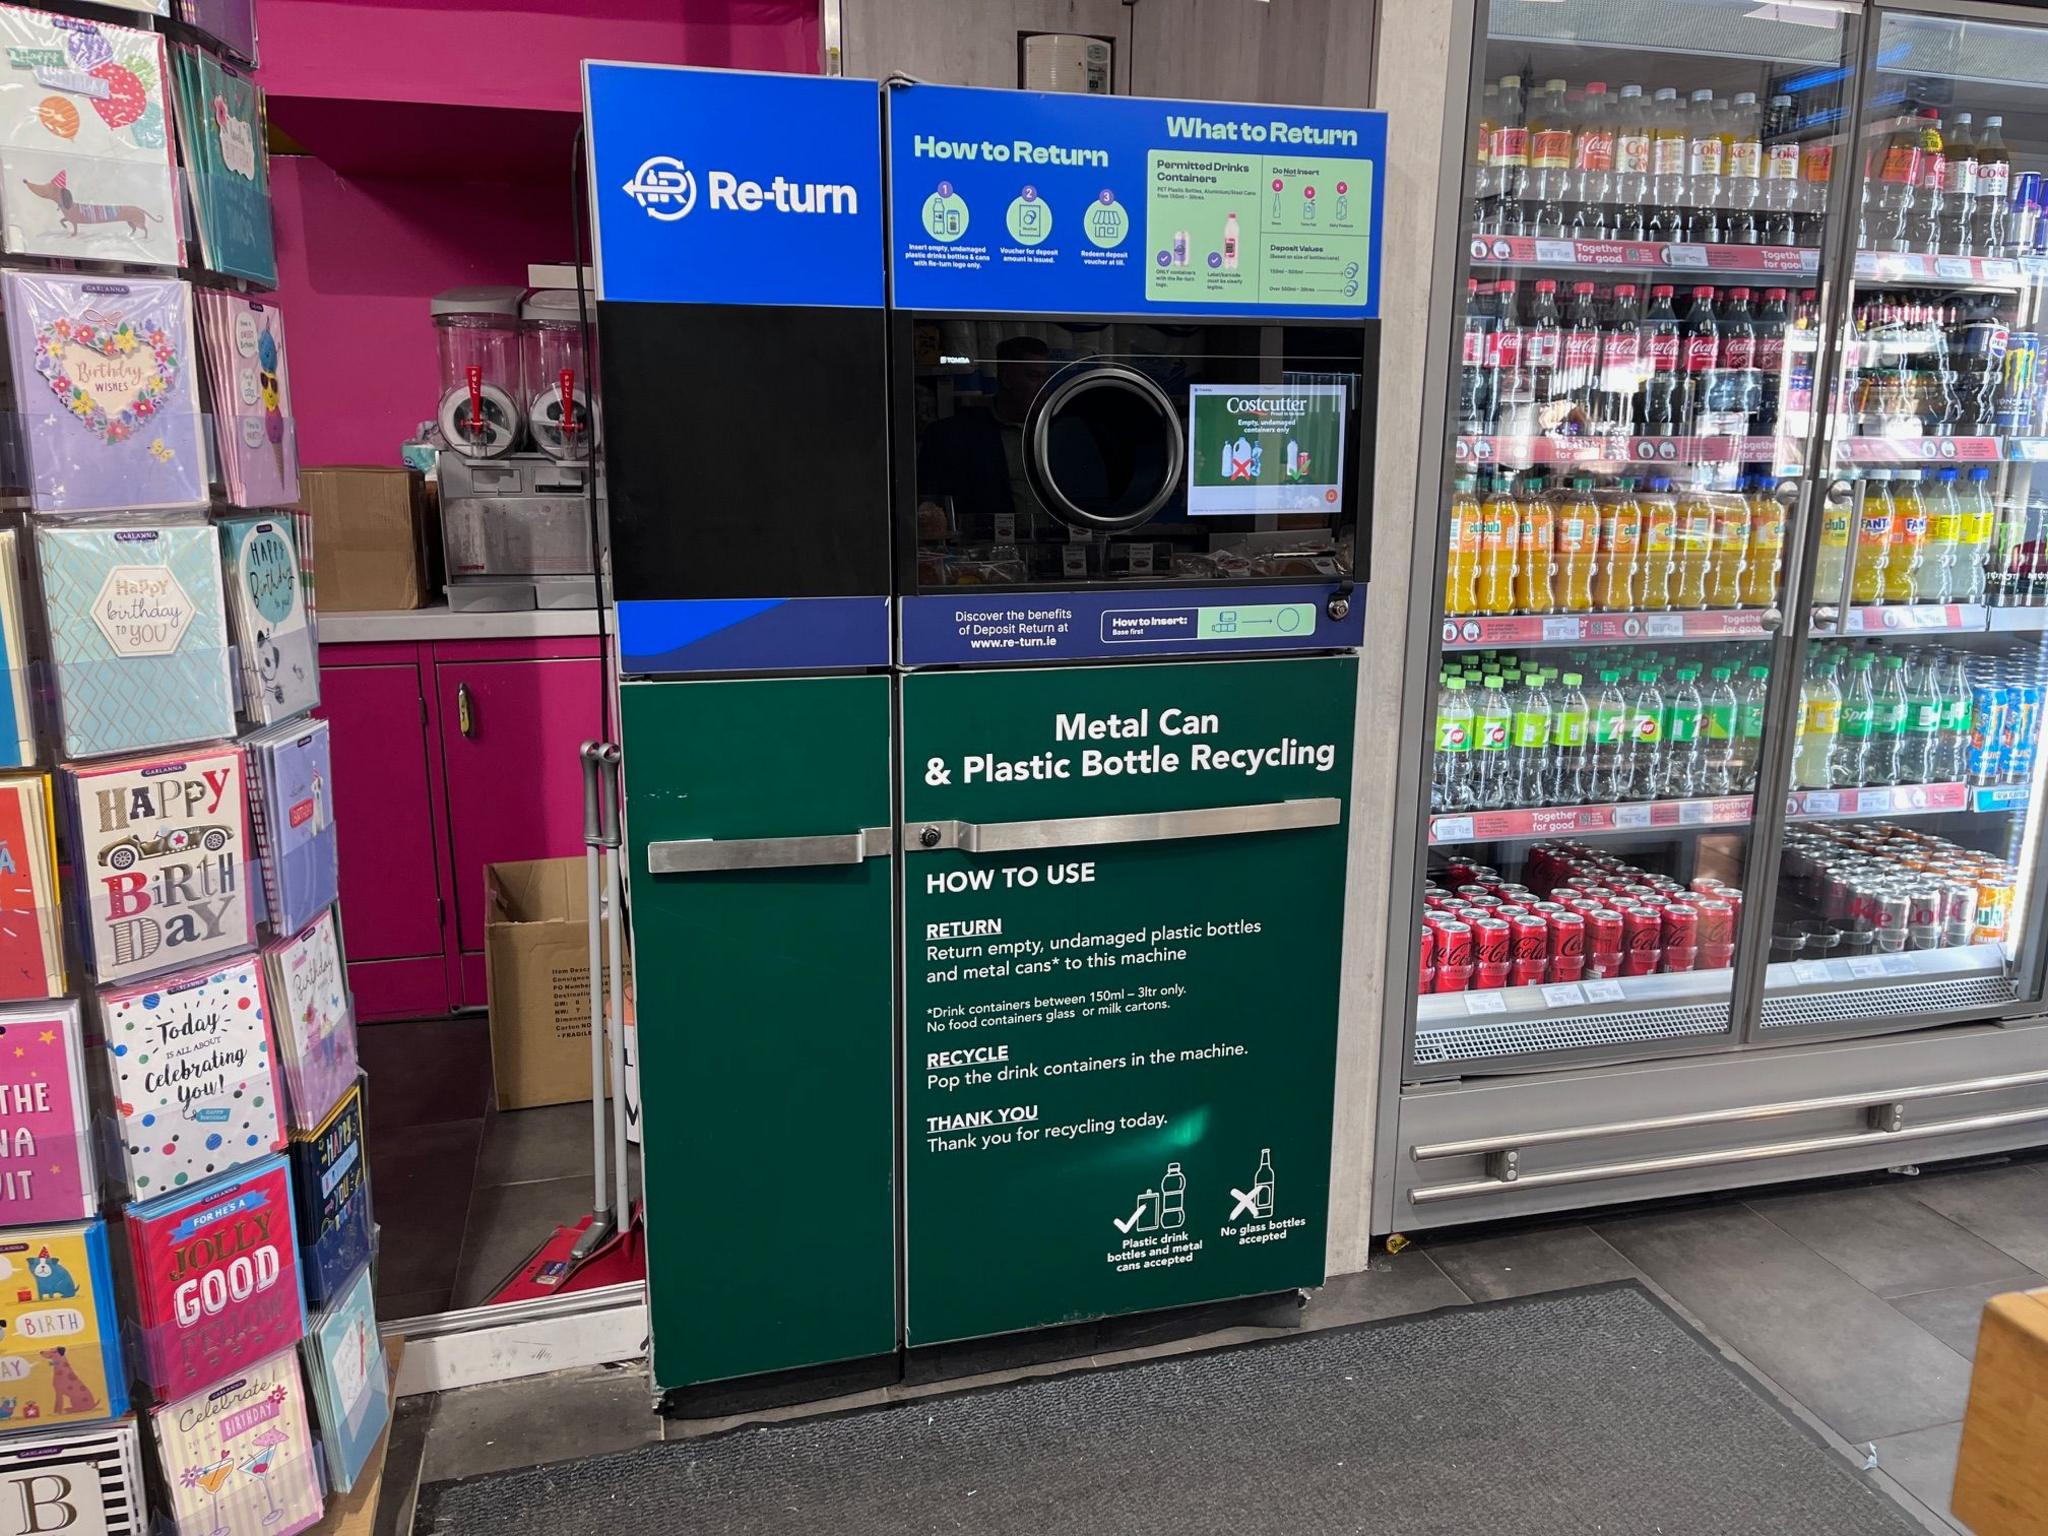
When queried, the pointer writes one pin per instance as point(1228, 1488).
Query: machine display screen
point(1264, 448)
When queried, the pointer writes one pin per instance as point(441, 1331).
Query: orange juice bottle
point(1873, 540)
point(1767, 519)
point(1621, 548)
point(1694, 540)
point(1578, 539)
point(1461, 568)
point(1500, 530)
point(1660, 547)
point(1733, 520)
point(1536, 551)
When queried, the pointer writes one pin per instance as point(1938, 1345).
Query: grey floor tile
point(1886, 1240)
point(1952, 1315)
point(506, 1224)
point(2007, 1207)
point(1524, 1263)
point(1863, 1368)
point(694, 1429)
point(410, 1427)
point(522, 1146)
point(1392, 1285)
point(1925, 1463)
point(561, 1417)
point(423, 1071)
point(419, 1192)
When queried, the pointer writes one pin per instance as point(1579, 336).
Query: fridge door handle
point(1141, 827)
point(704, 855)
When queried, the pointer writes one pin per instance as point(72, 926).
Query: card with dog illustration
point(222, 132)
point(85, 141)
point(193, 1076)
point(160, 859)
point(106, 392)
point(216, 1270)
point(72, 1481)
point(250, 388)
point(316, 1037)
point(238, 1458)
point(47, 1171)
point(60, 1354)
point(267, 609)
point(292, 813)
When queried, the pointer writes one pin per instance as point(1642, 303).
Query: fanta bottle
point(1766, 555)
point(1873, 541)
point(1909, 540)
point(1500, 530)
point(1695, 547)
point(1621, 550)
point(1461, 565)
point(1660, 547)
point(1578, 540)
point(1734, 519)
point(1536, 551)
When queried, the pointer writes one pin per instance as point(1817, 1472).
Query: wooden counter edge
point(2001, 1486)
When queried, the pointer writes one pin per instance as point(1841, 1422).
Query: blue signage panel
point(1023, 202)
point(752, 634)
point(712, 186)
point(985, 624)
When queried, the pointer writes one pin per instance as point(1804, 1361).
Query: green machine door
point(1123, 910)
point(758, 817)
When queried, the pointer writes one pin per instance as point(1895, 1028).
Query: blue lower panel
point(753, 634)
point(989, 625)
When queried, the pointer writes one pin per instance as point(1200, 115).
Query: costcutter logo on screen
point(667, 190)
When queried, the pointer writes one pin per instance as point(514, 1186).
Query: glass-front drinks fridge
point(1734, 695)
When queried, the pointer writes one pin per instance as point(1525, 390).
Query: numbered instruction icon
point(945, 214)
point(1030, 218)
point(1107, 221)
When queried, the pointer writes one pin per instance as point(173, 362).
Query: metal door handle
point(701, 855)
point(465, 712)
point(1141, 827)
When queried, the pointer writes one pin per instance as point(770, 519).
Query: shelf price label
point(1485, 1002)
point(1604, 990)
point(1563, 994)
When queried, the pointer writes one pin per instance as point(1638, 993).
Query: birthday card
point(60, 1356)
point(351, 1383)
point(251, 392)
point(222, 132)
point(239, 1456)
point(273, 632)
point(316, 1038)
point(31, 924)
point(332, 1197)
point(292, 814)
point(73, 1482)
point(46, 1162)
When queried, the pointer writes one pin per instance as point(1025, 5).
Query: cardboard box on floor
point(537, 959)
point(2002, 1468)
point(371, 536)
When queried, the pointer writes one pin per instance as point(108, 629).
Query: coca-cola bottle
point(1476, 367)
point(1515, 405)
point(1958, 186)
point(1621, 358)
point(1543, 350)
point(1772, 321)
point(1579, 382)
point(1662, 380)
point(1738, 355)
point(1702, 355)
point(1590, 192)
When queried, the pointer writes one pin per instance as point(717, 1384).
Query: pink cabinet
point(449, 755)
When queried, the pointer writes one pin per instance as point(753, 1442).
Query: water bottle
point(1888, 730)
point(1820, 725)
point(1750, 709)
point(1571, 767)
point(1529, 744)
point(1952, 764)
point(1919, 759)
point(1684, 751)
point(1489, 775)
point(1610, 740)
point(1451, 789)
point(1722, 720)
point(1644, 774)
point(1850, 765)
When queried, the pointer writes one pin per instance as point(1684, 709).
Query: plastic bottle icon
point(1180, 247)
point(1230, 242)
point(1263, 1184)
point(1173, 1190)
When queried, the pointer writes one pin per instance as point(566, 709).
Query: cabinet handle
point(465, 712)
point(1140, 827)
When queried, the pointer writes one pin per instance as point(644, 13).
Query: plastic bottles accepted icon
point(1162, 1209)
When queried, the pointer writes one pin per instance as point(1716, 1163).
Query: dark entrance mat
point(1589, 1411)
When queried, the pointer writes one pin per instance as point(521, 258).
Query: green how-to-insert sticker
point(1265, 448)
point(1250, 228)
point(1119, 1054)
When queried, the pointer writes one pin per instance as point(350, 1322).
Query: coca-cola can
point(1509, 910)
point(1838, 895)
point(1453, 955)
point(1531, 936)
point(1567, 945)
point(1425, 963)
point(1891, 908)
point(1717, 933)
point(1959, 912)
point(1641, 940)
point(1924, 904)
point(1604, 933)
point(1490, 951)
point(1681, 933)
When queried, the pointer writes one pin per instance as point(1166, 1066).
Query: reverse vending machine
point(987, 593)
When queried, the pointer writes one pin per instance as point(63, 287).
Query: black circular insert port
point(1104, 447)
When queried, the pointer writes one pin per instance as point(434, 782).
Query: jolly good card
point(238, 1457)
point(46, 1155)
point(250, 387)
point(159, 853)
point(350, 1382)
point(85, 155)
point(73, 1482)
point(106, 392)
point(222, 132)
point(316, 1037)
point(216, 1269)
point(193, 1076)
point(31, 923)
point(331, 1184)
point(291, 814)
point(231, 23)
point(273, 632)
point(60, 1356)
point(138, 637)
